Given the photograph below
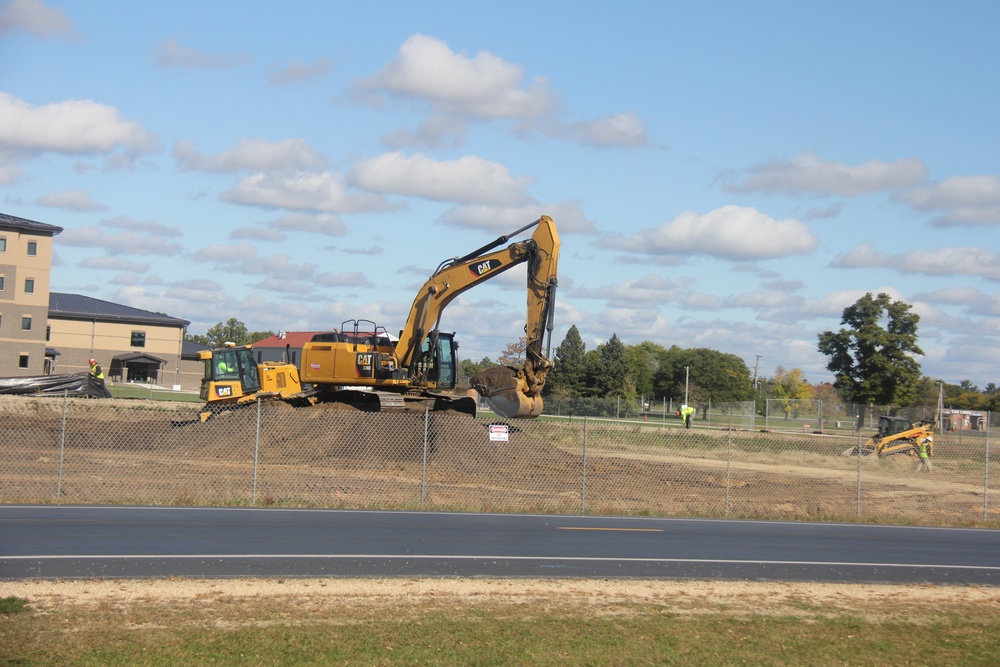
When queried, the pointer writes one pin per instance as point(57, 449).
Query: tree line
point(872, 357)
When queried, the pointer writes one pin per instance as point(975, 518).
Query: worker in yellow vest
point(687, 413)
point(98, 374)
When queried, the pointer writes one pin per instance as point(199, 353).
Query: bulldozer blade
point(504, 390)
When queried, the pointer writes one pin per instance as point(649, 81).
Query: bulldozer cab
point(892, 425)
point(229, 373)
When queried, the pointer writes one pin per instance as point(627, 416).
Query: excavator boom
point(517, 392)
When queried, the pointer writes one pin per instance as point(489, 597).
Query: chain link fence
point(64, 450)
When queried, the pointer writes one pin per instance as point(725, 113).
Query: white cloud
point(125, 243)
point(114, 264)
point(622, 129)
point(952, 296)
point(468, 179)
point(808, 173)
point(730, 232)
point(763, 300)
point(243, 258)
point(73, 200)
point(342, 279)
point(171, 54)
point(948, 261)
point(646, 290)
point(145, 226)
point(298, 71)
point(964, 200)
point(322, 191)
point(38, 19)
point(326, 224)
point(434, 132)
point(257, 234)
point(484, 86)
point(250, 155)
point(72, 127)
point(568, 216)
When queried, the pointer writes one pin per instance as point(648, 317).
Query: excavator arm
point(512, 392)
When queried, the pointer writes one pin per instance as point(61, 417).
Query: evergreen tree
point(568, 376)
point(614, 368)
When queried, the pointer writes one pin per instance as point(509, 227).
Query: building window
point(32, 248)
point(48, 333)
point(3, 244)
point(29, 285)
point(26, 323)
point(138, 339)
point(1, 283)
point(22, 361)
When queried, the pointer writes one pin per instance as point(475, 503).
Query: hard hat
point(92, 360)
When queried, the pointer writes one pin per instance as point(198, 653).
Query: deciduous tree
point(872, 363)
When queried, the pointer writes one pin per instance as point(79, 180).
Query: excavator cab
point(439, 359)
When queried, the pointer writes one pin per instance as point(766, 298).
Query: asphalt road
point(63, 542)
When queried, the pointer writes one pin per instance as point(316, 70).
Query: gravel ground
point(305, 595)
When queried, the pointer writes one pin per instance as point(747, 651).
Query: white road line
point(518, 558)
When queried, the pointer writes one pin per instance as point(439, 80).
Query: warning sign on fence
point(498, 432)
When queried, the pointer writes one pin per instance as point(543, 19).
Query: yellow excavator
point(896, 435)
point(361, 364)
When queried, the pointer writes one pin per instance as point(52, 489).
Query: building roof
point(23, 224)
point(79, 307)
point(139, 357)
point(292, 338)
point(190, 349)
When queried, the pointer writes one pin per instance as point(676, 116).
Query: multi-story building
point(25, 269)
point(43, 332)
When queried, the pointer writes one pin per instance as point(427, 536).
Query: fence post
point(729, 460)
point(986, 477)
point(858, 450)
point(423, 463)
point(256, 455)
point(583, 490)
point(62, 445)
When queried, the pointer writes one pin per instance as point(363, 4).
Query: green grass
point(261, 631)
point(12, 605)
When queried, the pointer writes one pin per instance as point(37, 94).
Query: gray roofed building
point(77, 306)
point(23, 224)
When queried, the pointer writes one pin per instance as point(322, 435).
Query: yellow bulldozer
point(896, 435)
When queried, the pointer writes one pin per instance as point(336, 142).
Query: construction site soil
point(151, 452)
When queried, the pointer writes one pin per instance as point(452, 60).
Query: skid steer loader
point(896, 435)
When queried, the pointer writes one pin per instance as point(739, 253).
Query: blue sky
point(723, 174)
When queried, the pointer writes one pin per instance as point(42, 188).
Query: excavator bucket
point(505, 391)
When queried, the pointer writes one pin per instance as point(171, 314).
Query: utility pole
point(940, 408)
point(756, 364)
point(687, 373)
